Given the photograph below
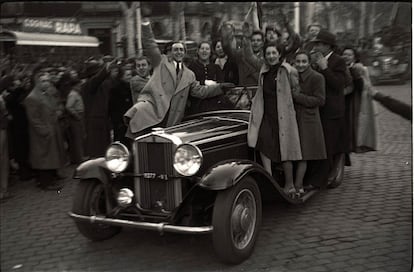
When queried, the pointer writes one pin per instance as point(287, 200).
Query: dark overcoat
point(46, 139)
point(97, 123)
point(333, 112)
point(119, 103)
point(307, 103)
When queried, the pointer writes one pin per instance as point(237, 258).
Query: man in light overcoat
point(163, 99)
point(47, 152)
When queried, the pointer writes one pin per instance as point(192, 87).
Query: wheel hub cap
point(243, 219)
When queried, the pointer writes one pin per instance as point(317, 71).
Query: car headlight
point(375, 63)
point(117, 157)
point(394, 61)
point(187, 159)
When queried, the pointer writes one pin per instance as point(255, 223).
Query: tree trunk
point(362, 17)
point(129, 13)
point(138, 20)
point(175, 20)
point(297, 17)
point(181, 20)
point(119, 34)
point(255, 17)
point(371, 18)
point(332, 17)
point(307, 10)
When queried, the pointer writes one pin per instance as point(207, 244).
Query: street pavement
point(363, 225)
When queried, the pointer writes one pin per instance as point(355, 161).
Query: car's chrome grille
point(155, 158)
point(157, 193)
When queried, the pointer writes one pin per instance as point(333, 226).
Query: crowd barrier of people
point(312, 108)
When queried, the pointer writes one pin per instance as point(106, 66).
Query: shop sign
point(51, 26)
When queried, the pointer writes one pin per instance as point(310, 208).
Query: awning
point(44, 39)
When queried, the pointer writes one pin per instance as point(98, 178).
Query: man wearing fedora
point(334, 70)
point(312, 31)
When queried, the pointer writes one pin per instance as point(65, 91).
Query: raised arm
point(248, 53)
point(97, 79)
point(149, 44)
point(294, 41)
point(227, 40)
point(335, 76)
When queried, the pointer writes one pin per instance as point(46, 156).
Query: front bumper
point(160, 227)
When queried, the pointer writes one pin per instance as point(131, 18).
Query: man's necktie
point(177, 69)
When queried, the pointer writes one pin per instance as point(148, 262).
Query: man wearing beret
point(333, 68)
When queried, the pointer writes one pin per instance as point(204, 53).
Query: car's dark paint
point(93, 169)
point(206, 129)
point(227, 173)
point(222, 138)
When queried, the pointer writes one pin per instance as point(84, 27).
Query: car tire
point(90, 200)
point(236, 220)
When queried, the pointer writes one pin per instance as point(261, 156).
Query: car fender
point(228, 173)
point(93, 169)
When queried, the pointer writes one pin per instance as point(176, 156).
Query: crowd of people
point(313, 105)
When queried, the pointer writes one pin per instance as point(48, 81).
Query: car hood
point(208, 127)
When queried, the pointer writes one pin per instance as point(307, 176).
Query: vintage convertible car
point(196, 177)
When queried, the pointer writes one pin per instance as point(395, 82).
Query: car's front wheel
point(90, 200)
point(236, 220)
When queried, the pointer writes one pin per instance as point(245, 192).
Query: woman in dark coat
point(204, 69)
point(307, 103)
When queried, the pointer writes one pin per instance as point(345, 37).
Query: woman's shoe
point(300, 193)
point(291, 192)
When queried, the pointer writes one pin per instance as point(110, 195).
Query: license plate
point(155, 176)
